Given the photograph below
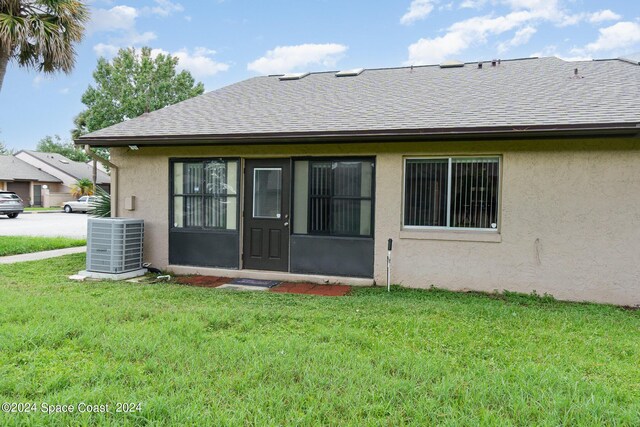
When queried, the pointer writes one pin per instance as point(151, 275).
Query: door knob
point(286, 223)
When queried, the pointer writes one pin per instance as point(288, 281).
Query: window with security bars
point(455, 192)
point(333, 197)
point(204, 194)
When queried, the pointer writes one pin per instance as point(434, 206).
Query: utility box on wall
point(130, 203)
point(114, 245)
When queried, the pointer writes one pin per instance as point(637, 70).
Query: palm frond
point(42, 34)
point(101, 207)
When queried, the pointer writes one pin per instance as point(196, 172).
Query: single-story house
point(518, 175)
point(66, 170)
point(28, 182)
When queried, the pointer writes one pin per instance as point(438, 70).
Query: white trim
point(448, 227)
point(475, 235)
point(253, 195)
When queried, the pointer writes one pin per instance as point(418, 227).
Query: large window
point(205, 194)
point(333, 197)
point(455, 192)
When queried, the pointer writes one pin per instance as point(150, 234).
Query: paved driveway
point(45, 224)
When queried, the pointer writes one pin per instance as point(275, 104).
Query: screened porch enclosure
point(205, 194)
point(204, 212)
point(331, 212)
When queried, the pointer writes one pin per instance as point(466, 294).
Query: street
point(45, 224)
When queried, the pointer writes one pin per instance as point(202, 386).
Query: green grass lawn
point(198, 356)
point(14, 245)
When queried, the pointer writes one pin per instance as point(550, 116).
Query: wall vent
point(294, 76)
point(114, 245)
point(350, 73)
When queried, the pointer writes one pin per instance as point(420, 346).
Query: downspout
point(114, 179)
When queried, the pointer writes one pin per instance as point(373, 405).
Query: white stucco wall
point(570, 215)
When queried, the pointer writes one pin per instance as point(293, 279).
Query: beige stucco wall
point(570, 215)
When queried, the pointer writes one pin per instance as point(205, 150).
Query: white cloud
point(462, 35)
point(284, 59)
point(435, 50)
point(418, 9)
point(472, 4)
point(106, 50)
point(524, 18)
point(199, 63)
point(522, 36)
point(593, 17)
point(603, 15)
point(120, 21)
point(164, 8)
point(114, 19)
point(135, 38)
point(131, 39)
point(622, 35)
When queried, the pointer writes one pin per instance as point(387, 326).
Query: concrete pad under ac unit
point(111, 276)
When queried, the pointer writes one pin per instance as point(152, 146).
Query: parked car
point(83, 204)
point(10, 204)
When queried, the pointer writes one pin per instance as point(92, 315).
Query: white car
point(83, 204)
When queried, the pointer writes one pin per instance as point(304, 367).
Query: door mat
point(233, 287)
point(255, 282)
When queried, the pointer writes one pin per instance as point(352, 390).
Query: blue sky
point(224, 41)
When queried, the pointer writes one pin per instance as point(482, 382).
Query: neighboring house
point(29, 182)
point(520, 175)
point(66, 170)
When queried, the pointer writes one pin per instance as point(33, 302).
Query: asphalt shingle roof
point(78, 170)
point(517, 93)
point(12, 168)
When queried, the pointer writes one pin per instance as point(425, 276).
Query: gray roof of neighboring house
point(14, 169)
point(515, 95)
point(77, 170)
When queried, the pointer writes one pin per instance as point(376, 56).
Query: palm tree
point(40, 34)
point(82, 187)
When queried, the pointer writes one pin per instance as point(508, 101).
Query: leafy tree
point(82, 187)
point(40, 34)
point(4, 150)
point(133, 83)
point(55, 144)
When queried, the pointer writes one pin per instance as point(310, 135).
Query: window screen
point(205, 194)
point(457, 192)
point(333, 197)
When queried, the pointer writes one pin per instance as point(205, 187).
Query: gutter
point(114, 178)
point(391, 135)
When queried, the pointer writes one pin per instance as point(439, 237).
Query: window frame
point(253, 195)
point(331, 159)
point(203, 195)
point(450, 159)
